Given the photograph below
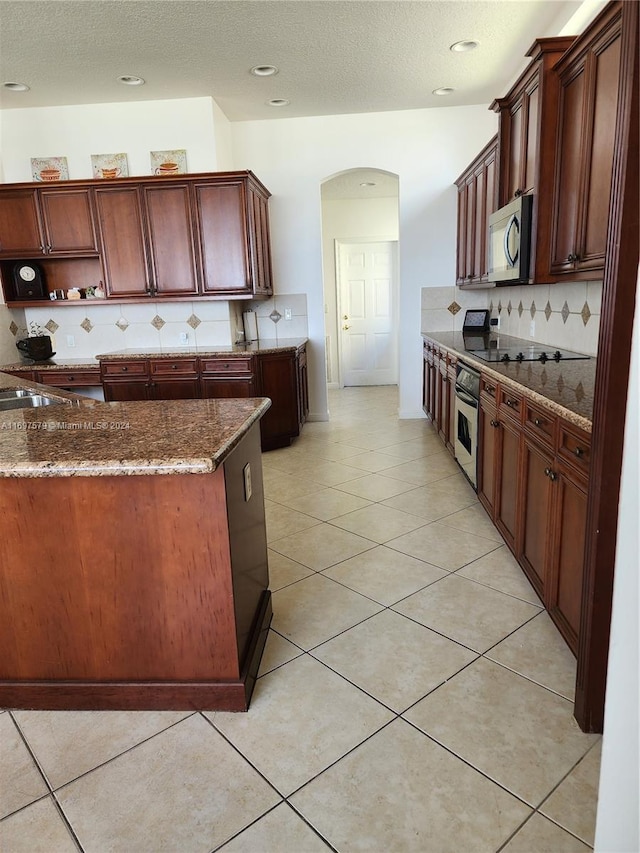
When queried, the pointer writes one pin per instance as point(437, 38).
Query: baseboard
point(317, 417)
point(411, 414)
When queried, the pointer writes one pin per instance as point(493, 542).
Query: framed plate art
point(47, 169)
point(169, 162)
point(109, 166)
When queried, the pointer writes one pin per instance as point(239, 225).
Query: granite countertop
point(84, 437)
point(263, 346)
point(565, 387)
point(54, 364)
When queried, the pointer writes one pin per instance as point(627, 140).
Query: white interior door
point(367, 318)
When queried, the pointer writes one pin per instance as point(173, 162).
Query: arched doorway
point(360, 227)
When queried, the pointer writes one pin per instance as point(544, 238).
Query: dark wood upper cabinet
point(528, 118)
point(233, 236)
point(68, 219)
point(477, 195)
point(47, 222)
point(170, 239)
point(122, 241)
point(204, 235)
point(589, 76)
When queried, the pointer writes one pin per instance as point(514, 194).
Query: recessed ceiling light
point(445, 90)
point(263, 70)
point(131, 80)
point(16, 87)
point(278, 102)
point(464, 46)
point(368, 184)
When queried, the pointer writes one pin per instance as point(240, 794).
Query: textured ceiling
point(334, 57)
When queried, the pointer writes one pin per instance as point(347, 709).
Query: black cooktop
point(534, 352)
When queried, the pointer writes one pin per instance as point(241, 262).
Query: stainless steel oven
point(466, 425)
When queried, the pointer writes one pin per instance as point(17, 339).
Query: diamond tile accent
point(560, 384)
point(499, 306)
point(454, 308)
point(157, 322)
point(52, 326)
point(532, 310)
point(580, 392)
point(275, 316)
point(86, 324)
point(13, 328)
point(585, 313)
point(122, 324)
point(194, 321)
point(565, 312)
point(547, 310)
point(509, 308)
point(520, 308)
point(491, 307)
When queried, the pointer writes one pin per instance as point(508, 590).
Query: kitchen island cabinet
point(165, 605)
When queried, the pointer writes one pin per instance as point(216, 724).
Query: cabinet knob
point(538, 422)
point(579, 452)
point(495, 423)
point(572, 257)
point(70, 378)
point(550, 474)
point(124, 369)
point(518, 193)
point(511, 403)
point(174, 367)
point(490, 389)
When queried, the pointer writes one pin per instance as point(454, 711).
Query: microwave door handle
point(513, 222)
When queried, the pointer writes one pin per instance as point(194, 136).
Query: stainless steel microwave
point(510, 241)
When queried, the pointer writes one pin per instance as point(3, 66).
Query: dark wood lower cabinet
point(281, 376)
point(533, 545)
point(487, 454)
point(507, 480)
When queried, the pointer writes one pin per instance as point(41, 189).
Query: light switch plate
point(287, 313)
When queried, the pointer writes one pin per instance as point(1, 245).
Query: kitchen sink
point(19, 398)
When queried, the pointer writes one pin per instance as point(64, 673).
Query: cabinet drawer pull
point(70, 378)
point(495, 423)
point(490, 389)
point(517, 193)
point(511, 403)
point(174, 367)
point(539, 422)
point(550, 474)
point(124, 369)
point(579, 452)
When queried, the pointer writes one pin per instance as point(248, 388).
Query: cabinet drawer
point(125, 368)
point(540, 424)
point(509, 403)
point(174, 367)
point(488, 388)
point(62, 379)
point(574, 447)
point(226, 366)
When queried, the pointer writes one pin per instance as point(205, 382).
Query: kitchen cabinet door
point(261, 245)
point(564, 586)
point(161, 388)
point(171, 239)
point(277, 379)
point(488, 437)
point(68, 218)
point(20, 227)
point(477, 194)
point(122, 241)
point(521, 138)
point(226, 388)
point(126, 390)
point(507, 481)
point(589, 81)
point(532, 547)
point(222, 237)
point(303, 386)
point(451, 390)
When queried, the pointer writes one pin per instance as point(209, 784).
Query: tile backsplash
point(565, 315)
point(85, 328)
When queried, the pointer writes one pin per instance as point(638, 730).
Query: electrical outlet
point(287, 313)
point(71, 341)
point(532, 329)
point(246, 471)
point(495, 322)
point(184, 337)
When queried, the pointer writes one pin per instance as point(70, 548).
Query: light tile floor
point(413, 695)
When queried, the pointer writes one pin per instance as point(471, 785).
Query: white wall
point(618, 827)
point(427, 149)
point(349, 219)
point(136, 129)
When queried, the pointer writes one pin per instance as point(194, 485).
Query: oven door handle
point(466, 398)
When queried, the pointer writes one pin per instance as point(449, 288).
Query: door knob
point(345, 317)
point(345, 326)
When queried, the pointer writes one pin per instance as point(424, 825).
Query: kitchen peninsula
point(134, 563)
